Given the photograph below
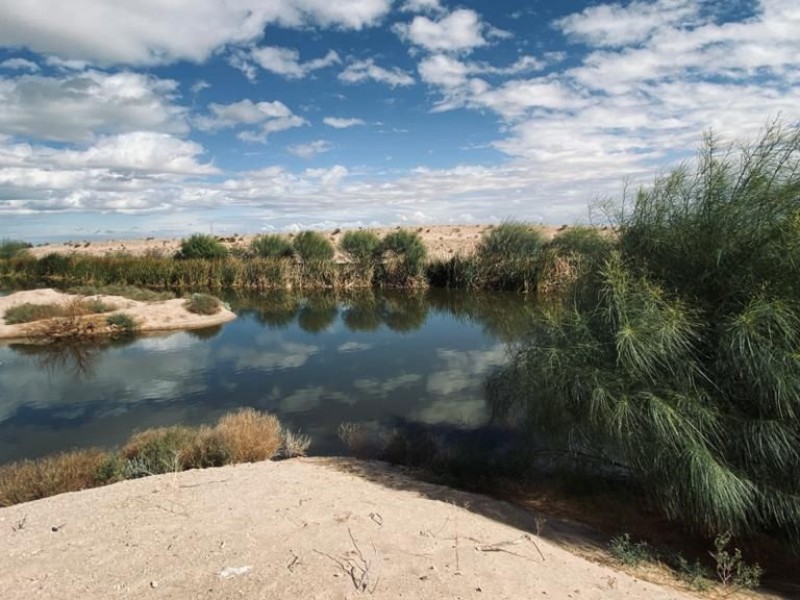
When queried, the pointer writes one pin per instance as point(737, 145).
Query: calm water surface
point(314, 361)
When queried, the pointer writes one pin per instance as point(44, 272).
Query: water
point(315, 362)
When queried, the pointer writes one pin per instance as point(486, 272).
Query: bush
point(681, 365)
point(271, 246)
point(27, 313)
point(361, 247)
point(125, 291)
point(311, 246)
point(13, 249)
point(124, 323)
point(203, 304)
point(510, 242)
point(201, 245)
point(404, 256)
point(249, 435)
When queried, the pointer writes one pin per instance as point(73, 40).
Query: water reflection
point(316, 361)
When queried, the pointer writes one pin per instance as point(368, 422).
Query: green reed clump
point(312, 247)
point(124, 323)
point(13, 249)
point(203, 304)
point(507, 258)
point(271, 246)
point(201, 245)
point(680, 363)
point(404, 255)
point(362, 248)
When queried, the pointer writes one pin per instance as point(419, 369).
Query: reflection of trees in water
point(506, 316)
point(76, 357)
point(318, 313)
point(206, 333)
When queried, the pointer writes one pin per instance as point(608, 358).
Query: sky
point(166, 117)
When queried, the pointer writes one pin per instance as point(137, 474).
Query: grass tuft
point(249, 435)
point(203, 304)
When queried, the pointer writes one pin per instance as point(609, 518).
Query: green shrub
point(124, 323)
point(631, 553)
point(125, 291)
point(13, 249)
point(510, 242)
point(361, 247)
point(203, 246)
point(27, 313)
point(732, 570)
point(203, 304)
point(271, 246)
point(311, 246)
point(404, 256)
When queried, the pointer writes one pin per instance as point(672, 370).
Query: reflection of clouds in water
point(270, 352)
point(157, 369)
point(382, 388)
point(354, 347)
point(457, 389)
point(308, 398)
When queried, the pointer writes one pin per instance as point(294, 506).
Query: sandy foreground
point(305, 529)
point(151, 316)
point(442, 241)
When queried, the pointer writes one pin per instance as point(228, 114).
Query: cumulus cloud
point(342, 123)
point(78, 106)
point(311, 149)
point(461, 30)
point(159, 33)
point(19, 64)
point(366, 70)
point(270, 117)
point(286, 61)
point(421, 6)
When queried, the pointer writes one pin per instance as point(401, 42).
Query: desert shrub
point(34, 479)
point(250, 435)
point(404, 256)
point(312, 246)
point(97, 306)
point(13, 249)
point(28, 312)
point(361, 247)
point(271, 246)
point(161, 450)
point(732, 570)
point(203, 304)
point(203, 246)
point(123, 322)
point(681, 366)
point(631, 553)
point(510, 241)
point(295, 445)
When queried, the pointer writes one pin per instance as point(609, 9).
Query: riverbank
point(147, 316)
point(304, 528)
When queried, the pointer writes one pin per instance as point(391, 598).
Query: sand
point(151, 316)
point(442, 241)
point(304, 529)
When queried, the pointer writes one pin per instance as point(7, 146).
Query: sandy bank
point(442, 241)
point(151, 316)
point(300, 529)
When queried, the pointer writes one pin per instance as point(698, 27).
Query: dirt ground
point(442, 241)
point(150, 316)
point(304, 529)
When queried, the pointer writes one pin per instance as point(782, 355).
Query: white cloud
point(76, 107)
point(461, 30)
point(421, 6)
point(19, 64)
point(342, 123)
point(199, 85)
point(150, 33)
point(311, 149)
point(449, 72)
point(618, 25)
point(270, 117)
point(365, 70)
point(286, 61)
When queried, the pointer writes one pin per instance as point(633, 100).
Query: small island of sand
point(58, 313)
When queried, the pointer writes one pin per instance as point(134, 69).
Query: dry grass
point(249, 435)
point(295, 444)
point(68, 472)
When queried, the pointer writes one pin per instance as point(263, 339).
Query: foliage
point(13, 249)
point(28, 312)
point(203, 246)
point(249, 435)
point(122, 322)
point(732, 570)
point(203, 304)
point(271, 246)
point(312, 246)
point(509, 242)
point(124, 291)
point(361, 247)
point(679, 363)
point(631, 553)
point(404, 256)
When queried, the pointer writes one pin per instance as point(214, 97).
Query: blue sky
point(166, 117)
